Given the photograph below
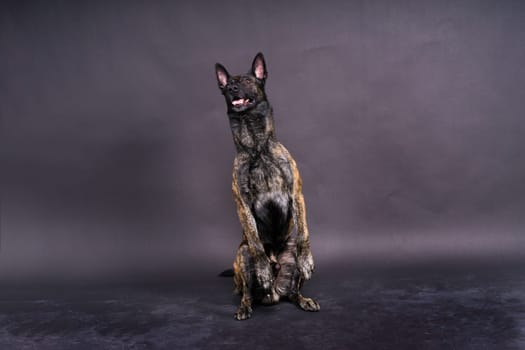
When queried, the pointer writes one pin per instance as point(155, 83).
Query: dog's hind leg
point(243, 281)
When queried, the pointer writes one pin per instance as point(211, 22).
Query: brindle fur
point(271, 262)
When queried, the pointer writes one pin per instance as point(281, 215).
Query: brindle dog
point(271, 261)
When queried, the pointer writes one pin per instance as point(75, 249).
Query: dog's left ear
point(222, 75)
point(259, 67)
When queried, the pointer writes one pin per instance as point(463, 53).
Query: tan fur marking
point(303, 236)
point(249, 227)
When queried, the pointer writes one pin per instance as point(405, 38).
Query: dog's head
point(243, 92)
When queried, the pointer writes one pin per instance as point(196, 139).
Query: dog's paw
point(264, 274)
point(308, 304)
point(243, 313)
point(305, 263)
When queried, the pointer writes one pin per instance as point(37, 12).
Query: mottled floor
point(468, 306)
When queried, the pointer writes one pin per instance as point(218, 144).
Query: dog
point(272, 261)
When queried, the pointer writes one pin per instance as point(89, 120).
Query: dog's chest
point(270, 186)
point(269, 174)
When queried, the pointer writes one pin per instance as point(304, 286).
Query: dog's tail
point(226, 273)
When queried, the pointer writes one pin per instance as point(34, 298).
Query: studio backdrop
point(406, 119)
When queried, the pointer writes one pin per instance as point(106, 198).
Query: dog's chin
point(242, 104)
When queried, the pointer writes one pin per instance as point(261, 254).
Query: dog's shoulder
point(281, 152)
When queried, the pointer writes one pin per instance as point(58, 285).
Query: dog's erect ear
point(222, 75)
point(259, 67)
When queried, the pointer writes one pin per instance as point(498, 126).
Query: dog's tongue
point(238, 102)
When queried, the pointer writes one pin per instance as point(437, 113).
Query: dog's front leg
point(305, 261)
point(263, 270)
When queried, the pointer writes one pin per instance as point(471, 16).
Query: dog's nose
point(233, 88)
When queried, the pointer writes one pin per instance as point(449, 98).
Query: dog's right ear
point(222, 75)
point(259, 67)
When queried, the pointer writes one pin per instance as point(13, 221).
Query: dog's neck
point(253, 130)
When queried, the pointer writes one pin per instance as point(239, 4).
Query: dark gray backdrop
point(405, 117)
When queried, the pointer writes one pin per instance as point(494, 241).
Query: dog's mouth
point(242, 102)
